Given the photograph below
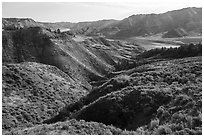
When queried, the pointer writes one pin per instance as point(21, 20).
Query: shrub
point(154, 123)
point(189, 50)
point(163, 129)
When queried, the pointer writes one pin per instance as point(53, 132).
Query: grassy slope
point(163, 97)
point(71, 127)
point(156, 91)
point(33, 92)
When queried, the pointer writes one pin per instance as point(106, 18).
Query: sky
point(90, 11)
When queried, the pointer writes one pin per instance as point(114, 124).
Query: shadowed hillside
point(147, 98)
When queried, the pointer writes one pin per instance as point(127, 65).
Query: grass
point(71, 127)
point(152, 97)
point(34, 92)
point(162, 97)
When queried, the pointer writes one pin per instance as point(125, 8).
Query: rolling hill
point(33, 92)
point(161, 97)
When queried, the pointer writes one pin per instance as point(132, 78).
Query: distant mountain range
point(188, 19)
point(177, 23)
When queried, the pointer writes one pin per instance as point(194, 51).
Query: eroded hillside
point(83, 58)
point(44, 71)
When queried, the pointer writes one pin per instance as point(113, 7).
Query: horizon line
point(96, 20)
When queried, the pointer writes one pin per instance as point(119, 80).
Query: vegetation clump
point(189, 50)
point(72, 127)
point(33, 92)
point(150, 104)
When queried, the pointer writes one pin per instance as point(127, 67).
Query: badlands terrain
point(140, 75)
